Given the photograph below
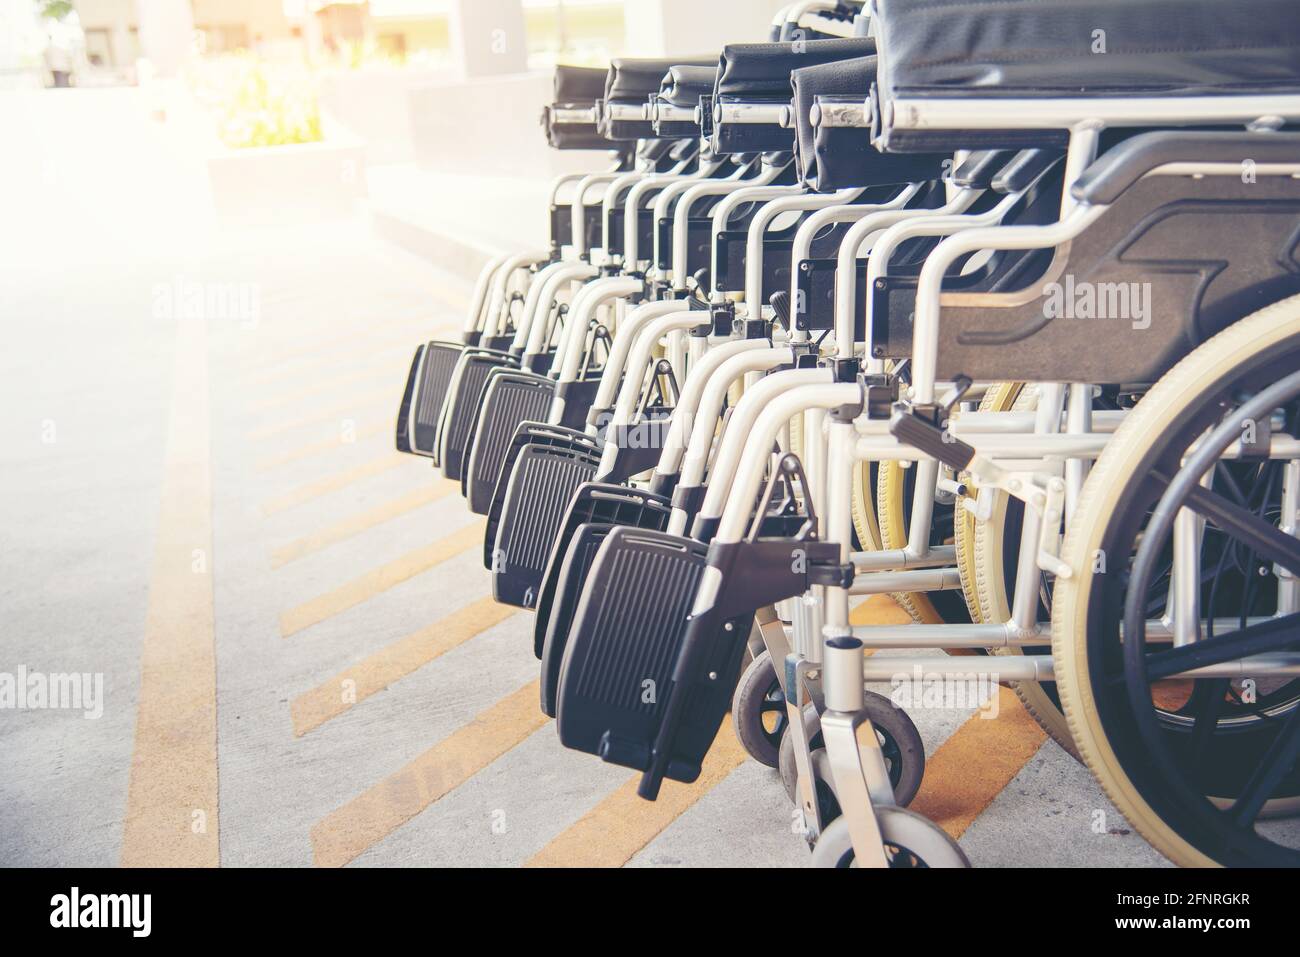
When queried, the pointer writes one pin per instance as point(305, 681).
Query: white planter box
point(279, 185)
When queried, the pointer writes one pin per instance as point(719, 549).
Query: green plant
point(258, 105)
point(55, 9)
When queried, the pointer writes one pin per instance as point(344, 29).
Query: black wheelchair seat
point(596, 509)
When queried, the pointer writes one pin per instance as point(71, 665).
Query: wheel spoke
point(1275, 765)
point(1205, 704)
point(1263, 537)
point(1262, 637)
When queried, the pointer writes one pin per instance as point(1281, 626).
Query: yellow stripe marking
point(300, 367)
point(332, 483)
point(879, 610)
point(372, 373)
point(420, 497)
point(321, 446)
point(389, 393)
point(612, 832)
point(307, 345)
point(972, 767)
point(355, 684)
point(380, 580)
point(171, 804)
point(371, 816)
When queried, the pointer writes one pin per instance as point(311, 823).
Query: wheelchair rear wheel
point(1198, 774)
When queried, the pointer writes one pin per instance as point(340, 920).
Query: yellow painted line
point(879, 610)
point(308, 345)
point(389, 393)
point(380, 580)
point(420, 497)
point(373, 373)
point(971, 768)
point(612, 832)
point(321, 446)
point(350, 830)
point(296, 368)
point(171, 802)
point(355, 684)
point(332, 483)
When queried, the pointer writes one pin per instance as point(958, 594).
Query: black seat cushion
point(579, 85)
point(576, 88)
point(1051, 48)
point(831, 158)
point(850, 77)
point(762, 70)
point(633, 80)
point(684, 85)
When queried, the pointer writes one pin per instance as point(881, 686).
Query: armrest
point(1118, 169)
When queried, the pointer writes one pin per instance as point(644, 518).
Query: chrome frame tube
point(681, 215)
point(629, 329)
point(883, 249)
point(542, 294)
point(482, 289)
point(701, 375)
point(578, 220)
point(1074, 220)
point(855, 243)
point(632, 325)
point(739, 432)
point(703, 430)
point(1055, 113)
point(496, 321)
point(785, 400)
point(925, 329)
point(641, 357)
point(819, 220)
point(635, 197)
point(597, 293)
point(763, 218)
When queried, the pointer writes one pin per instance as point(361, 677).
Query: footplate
point(627, 632)
point(509, 398)
point(542, 479)
point(461, 410)
point(596, 509)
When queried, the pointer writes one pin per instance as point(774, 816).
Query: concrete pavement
point(301, 660)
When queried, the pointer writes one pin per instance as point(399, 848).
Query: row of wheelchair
point(990, 308)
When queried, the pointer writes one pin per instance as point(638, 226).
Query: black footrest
point(540, 488)
point(509, 398)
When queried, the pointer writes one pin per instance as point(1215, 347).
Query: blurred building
point(480, 37)
point(22, 43)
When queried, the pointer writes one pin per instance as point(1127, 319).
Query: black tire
point(758, 711)
point(911, 842)
point(904, 753)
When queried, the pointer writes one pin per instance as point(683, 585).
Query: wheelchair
point(994, 309)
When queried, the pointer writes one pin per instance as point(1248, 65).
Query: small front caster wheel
point(758, 711)
point(899, 740)
point(911, 840)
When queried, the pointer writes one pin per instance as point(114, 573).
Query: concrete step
point(458, 222)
